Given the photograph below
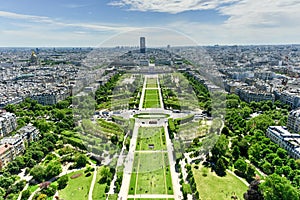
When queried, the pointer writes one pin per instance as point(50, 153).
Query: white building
point(286, 140)
point(17, 142)
point(251, 93)
point(29, 133)
point(8, 123)
point(290, 98)
point(293, 122)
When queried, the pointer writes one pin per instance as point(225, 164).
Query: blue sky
point(176, 22)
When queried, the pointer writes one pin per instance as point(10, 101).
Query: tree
point(253, 193)
point(62, 181)
point(220, 148)
point(277, 161)
point(226, 131)
point(25, 194)
point(220, 167)
point(250, 173)
point(53, 169)
point(81, 160)
point(276, 187)
point(38, 173)
point(241, 166)
point(267, 168)
point(2, 193)
point(236, 152)
point(281, 153)
point(106, 175)
point(255, 153)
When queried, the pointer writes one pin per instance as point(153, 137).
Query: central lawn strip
point(149, 199)
point(151, 174)
point(151, 139)
point(151, 99)
point(151, 83)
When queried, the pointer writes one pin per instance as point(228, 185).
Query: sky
point(96, 23)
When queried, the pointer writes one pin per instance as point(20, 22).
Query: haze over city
point(89, 23)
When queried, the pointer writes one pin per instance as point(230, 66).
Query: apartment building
point(293, 122)
point(251, 93)
point(6, 154)
point(13, 146)
point(286, 140)
point(8, 123)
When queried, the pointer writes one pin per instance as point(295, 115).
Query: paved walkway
point(128, 165)
point(93, 183)
point(143, 94)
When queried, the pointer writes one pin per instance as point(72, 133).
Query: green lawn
point(148, 199)
point(77, 188)
point(151, 174)
point(213, 187)
point(151, 99)
point(99, 189)
point(151, 115)
point(151, 83)
point(154, 136)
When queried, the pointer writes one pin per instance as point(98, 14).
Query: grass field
point(154, 136)
point(99, 189)
point(151, 174)
point(151, 115)
point(151, 83)
point(151, 99)
point(148, 199)
point(77, 188)
point(213, 187)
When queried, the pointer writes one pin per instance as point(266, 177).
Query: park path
point(160, 94)
point(93, 183)
point(129, 164)
point(174, 174)
point(143, 94)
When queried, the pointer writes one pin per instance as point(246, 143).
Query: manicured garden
point(151, 174)
point(151, 115)
point(148, 199)
point(151, 99)
point(151, 83)
point(151, 139)
point(211, 186)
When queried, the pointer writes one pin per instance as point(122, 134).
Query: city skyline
point(92, 23)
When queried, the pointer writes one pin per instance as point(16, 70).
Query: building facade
point(13, 146)
point(6, 154)
point(8, 123)
point(142, 45)
point(286, 140)
point(293, 122)
point(248, 94)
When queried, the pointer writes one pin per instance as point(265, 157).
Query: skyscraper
point(142, 44)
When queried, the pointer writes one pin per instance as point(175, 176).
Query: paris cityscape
point(113, 110)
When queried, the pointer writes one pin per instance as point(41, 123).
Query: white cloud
point(170, 6)
point(46, 20)
point(263, 13)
